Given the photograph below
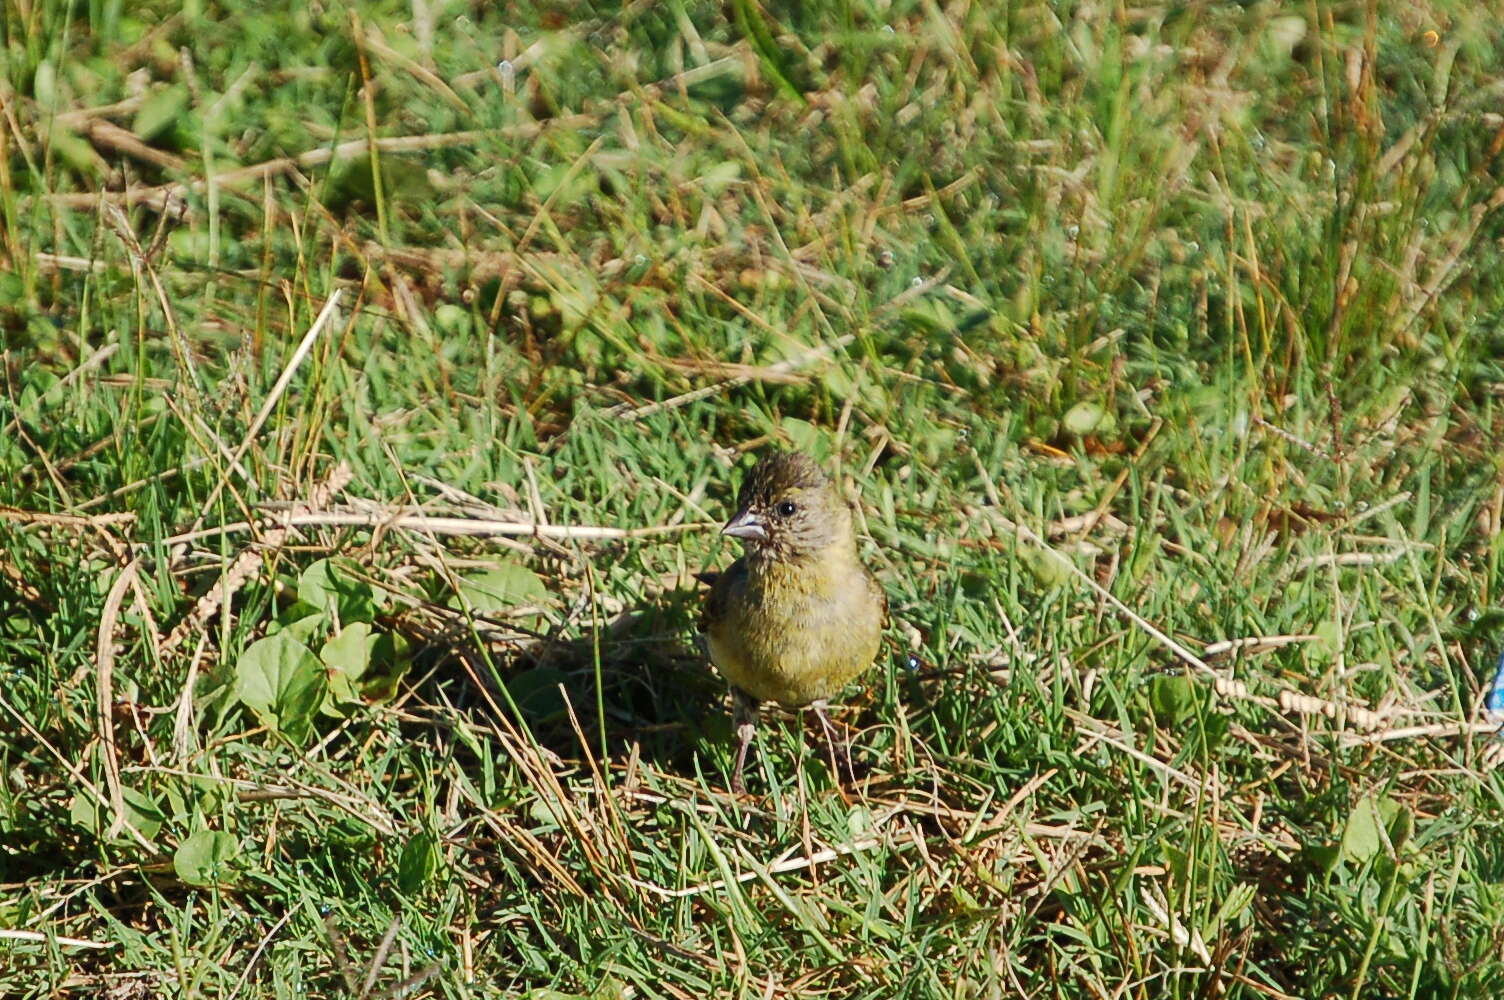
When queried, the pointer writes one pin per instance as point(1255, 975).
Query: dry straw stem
point(321, 321)
point(405, 518)
point(40, 938)
point(1255, 644)
point(246, 563)
point(75, 521)
point(104, 664)
point(1287, 700)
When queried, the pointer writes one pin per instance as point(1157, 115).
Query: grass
point(1160, 344)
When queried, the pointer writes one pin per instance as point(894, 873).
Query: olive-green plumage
point(799, 616)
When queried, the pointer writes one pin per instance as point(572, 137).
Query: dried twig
point(321, 321)
point(403, 518)
point(104, 664)
point(245, 564)
point(67, 942)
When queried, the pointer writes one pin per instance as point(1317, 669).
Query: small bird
point(799, 615)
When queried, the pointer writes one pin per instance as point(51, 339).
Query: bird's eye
point(787, 508)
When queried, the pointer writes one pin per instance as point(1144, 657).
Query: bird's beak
point(746, 525)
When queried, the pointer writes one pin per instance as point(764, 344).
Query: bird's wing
point(720, 593)
point(882, 595)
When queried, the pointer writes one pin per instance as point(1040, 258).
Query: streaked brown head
point(789, 509)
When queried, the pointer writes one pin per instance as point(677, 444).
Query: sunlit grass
point(1158, 344)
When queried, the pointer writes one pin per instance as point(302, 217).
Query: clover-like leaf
point(1365, 835)
point(536, 693)
point(335, 587)
point(205, 858)
point(281, 680)
point(141, 811)
point(500, 589)
point(417, 863)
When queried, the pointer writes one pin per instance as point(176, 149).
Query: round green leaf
point(349, 653)
point(334, 586)
point(302, 621)
point(141, 812)
point(204, 858)
point(1049, 568)
point(1364, 834)
point(281, 681)
point(1174, 698)
point(506, 586)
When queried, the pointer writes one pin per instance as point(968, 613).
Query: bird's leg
point(840, 752)
point(744, 718)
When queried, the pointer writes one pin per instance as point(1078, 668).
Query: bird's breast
point(798, 632)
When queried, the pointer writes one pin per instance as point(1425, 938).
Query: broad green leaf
point(300, 620)
point(391, 655)
point(537, 693)
point(349, 653)
point(348, 657)
point(926, 318)
point(141, 812)
point(1364, 835)
point(806, 437)
point(1049, 568)
point(44, 83)
point(544, 812)
point(417, 863)
point(335, 587)
point(859, 822)
point(193, 794)
point(204, 858)
point(281, 681)
point(1329, 638)
point(452, 320)
point(506, 586)
point(1174, 699)
point(190, 244)
point(76, 152)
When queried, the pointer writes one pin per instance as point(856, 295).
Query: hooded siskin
point(798, 616)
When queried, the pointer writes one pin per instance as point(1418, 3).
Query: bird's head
point(789, 509)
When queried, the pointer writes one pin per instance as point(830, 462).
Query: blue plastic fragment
point(1495, 700)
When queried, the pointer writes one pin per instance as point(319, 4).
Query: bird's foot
point(744, 715)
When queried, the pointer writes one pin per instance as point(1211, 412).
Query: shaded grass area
point(1161, 346)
